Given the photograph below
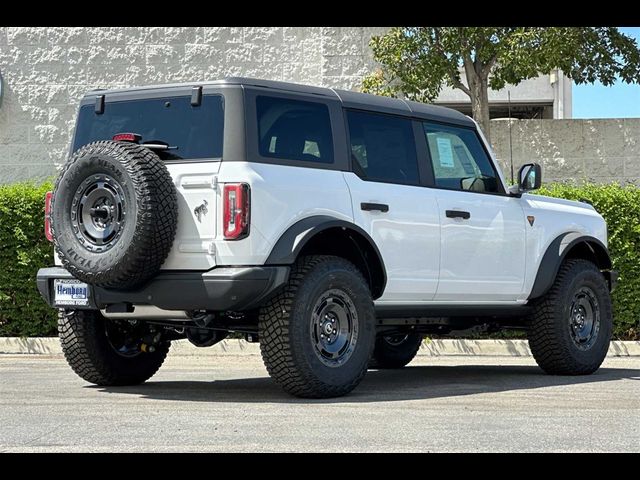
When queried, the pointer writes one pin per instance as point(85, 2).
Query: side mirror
point(529, 177)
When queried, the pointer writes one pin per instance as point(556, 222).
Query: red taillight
point(47, 216)
point(126, 137)
point(236, 209)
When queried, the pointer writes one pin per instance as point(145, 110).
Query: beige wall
point(47, 70)
point(597, 150)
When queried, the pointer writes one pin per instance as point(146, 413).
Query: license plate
point(70, 292)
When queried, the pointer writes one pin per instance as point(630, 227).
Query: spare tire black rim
point(97, 212)
point(584, 318)
point(334, 327)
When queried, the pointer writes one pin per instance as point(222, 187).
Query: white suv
point(335, 228)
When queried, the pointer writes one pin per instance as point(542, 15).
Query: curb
point(429, 348)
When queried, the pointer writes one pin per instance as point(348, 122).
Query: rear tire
point(317, 335)
point(91, 354)
point(570, 328)
point(395, 351)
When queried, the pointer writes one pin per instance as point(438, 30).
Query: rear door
point(392, 206)
point(483, 230)
point(194, 133)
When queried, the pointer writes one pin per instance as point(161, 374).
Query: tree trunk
point(480, 104)
point(478, 91)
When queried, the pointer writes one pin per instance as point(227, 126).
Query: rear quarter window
point(196, 132)
point(294, 130)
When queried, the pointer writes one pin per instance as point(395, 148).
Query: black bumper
point(219, 289)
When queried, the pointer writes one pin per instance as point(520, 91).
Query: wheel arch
point(569, 245)
point(323, 234)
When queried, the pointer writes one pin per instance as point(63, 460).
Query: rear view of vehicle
point(167, 223)
point(134, 217)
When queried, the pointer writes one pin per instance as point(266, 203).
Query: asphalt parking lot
point(228, 403)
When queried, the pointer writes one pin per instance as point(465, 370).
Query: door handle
point(457, 214)
point(374, 206)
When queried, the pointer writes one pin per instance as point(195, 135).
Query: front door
point(482, 255)
point(388, 202)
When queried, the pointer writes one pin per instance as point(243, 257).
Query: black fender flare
point(291, 242)
point(556, 253)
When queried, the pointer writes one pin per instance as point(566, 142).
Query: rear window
point(294, 130)
point(196, 132)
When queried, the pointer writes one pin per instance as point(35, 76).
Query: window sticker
point(445, 152)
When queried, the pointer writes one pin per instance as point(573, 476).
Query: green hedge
point(620, 207)
point(24, 249)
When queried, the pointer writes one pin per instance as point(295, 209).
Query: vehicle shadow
point(409, 383)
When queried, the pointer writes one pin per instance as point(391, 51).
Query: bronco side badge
point(531, 219)
point(201, 210)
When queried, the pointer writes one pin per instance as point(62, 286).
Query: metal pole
point(510, 137)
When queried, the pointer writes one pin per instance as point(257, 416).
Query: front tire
point(395, 351)
point(317, 335)
point(571, 325)
point(105, 353)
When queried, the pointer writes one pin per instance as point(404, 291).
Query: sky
point(617, 101)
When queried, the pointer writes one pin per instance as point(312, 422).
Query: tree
point(417, 61)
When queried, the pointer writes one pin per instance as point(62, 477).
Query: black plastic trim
point(291, 242)
point(219, 289)
point(555, 254)
point(196, 96)
point(411, 311)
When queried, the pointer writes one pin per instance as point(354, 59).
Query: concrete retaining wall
point(603, 151)
point(511, 348)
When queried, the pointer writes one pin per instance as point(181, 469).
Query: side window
point(383, 148)
point(294, 130)
point(459, 161)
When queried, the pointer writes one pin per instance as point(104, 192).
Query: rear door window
point(294, 130)
point(383, 148)
point(196, 132)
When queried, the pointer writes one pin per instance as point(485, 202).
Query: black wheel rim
point(98, 211)
point(584, 318)
point(397, 339)
point(123, 338)
point(334, 327)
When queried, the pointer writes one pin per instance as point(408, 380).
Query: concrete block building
point(47, 69)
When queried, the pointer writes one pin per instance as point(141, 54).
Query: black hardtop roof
point(348, 98)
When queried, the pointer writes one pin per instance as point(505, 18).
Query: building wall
point(602, 151)
point(47, 70)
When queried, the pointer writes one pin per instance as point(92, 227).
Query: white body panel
point(483, 257)
point(195, 184)
point(408, 235)
point(553, 217)
point(280, 196)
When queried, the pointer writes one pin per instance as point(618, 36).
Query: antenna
point(510, 137)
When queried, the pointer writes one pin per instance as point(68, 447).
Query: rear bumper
point(219, 289)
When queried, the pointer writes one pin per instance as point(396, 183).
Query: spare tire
point(114, 214)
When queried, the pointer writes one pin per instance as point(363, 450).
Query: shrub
point(23, 249)
point(620, 207)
